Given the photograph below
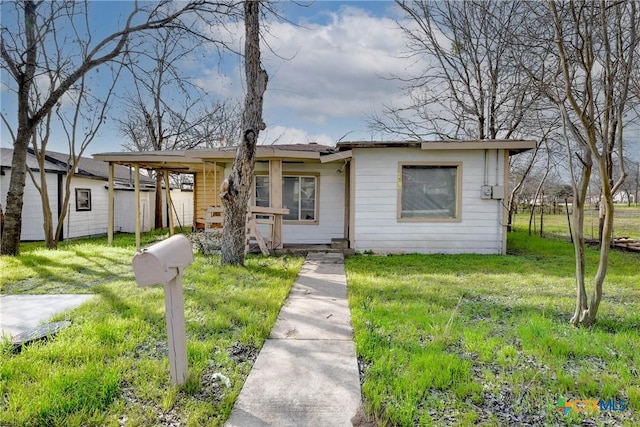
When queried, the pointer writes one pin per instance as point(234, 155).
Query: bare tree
point(165, 110)
point(236, 188)
point(473, 87)
point(588, 59)
point(30, 25)
point(80, 123)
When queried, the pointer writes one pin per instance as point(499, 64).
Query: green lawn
point(485, 340)
point(110, 367)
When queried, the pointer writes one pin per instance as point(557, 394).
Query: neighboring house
point(427, 197)
point(87, 211)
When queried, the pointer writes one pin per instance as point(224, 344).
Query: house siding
point(125, 208)
point(330, 204)
point(478, 229)
point(94, 221)
point(32, 225)
point(182, 210)
point(87, 223)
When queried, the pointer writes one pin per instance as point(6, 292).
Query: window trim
point(80, 208)
point(458, 187)
point(294, 174)
point(316, 221)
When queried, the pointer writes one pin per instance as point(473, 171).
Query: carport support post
point(275, 190)
point(137, 193)
point(110, 206)
point(169, 202)
point(176, 333)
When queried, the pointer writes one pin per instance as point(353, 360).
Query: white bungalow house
point(87, 212)
point(399, 197)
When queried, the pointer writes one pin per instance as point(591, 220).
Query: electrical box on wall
point(497, 192)
point(486, 192)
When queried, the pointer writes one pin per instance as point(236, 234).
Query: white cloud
point(289, 135)
point(320, 74)
point(336, 69)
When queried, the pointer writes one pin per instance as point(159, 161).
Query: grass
point(485, 340)
point(626, 222)
point(110, 367)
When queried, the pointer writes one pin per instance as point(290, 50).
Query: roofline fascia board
point(341, 155)
point(261, 153)
point(479, 145)
point(138, 158)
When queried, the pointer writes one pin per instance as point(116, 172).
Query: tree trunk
point(13, 216)
point(47, 216)
point(13, 212)
point(236, 188)
point(579, 195)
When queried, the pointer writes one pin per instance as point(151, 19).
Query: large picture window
point(299, 195)
point(83, 199)
point(429, 192)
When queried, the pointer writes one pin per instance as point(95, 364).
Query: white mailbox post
point(164, 263)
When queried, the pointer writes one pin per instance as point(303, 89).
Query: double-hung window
point(299, 195)
point(429, 192)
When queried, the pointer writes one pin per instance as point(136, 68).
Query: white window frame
point(298, 175)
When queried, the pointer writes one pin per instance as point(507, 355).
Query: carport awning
point(172, 161)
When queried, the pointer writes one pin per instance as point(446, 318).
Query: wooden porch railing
point(257, 215)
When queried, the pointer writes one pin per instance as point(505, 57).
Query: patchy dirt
point(362, 419)
point(153, 349)
point(242, 353)
point(170, 418)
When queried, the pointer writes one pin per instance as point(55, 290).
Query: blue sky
point(326, 70)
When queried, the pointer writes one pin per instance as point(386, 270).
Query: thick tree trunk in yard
point(13, 212)
point(236, 188)
point(13, 215)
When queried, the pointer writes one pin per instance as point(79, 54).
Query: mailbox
point(163, 261)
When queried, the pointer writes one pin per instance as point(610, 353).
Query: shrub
point(206, 243)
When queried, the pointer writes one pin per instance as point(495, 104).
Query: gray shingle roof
point(57, 162)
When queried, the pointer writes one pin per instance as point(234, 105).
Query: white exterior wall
point(125, 208)
point(93, 222)
point(32, 222)
point(376, 202)
point(87, 223)
point(183, 204)
point(330, 209)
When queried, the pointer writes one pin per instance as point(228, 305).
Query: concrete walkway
point(21, 313)
point(307, 373)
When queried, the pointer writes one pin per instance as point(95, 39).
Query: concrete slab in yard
point(21, 313)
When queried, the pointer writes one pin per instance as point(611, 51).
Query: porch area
point(299, 199)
